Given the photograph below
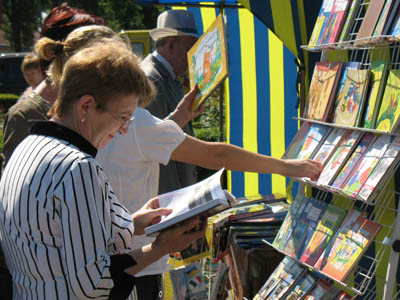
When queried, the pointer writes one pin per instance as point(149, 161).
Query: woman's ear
point(85, 104)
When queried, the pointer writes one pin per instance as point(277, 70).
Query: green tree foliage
point(21, 18)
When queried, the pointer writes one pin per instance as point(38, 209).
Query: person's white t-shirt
point(131, 164)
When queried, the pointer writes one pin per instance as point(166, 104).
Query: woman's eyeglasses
point(125, 122)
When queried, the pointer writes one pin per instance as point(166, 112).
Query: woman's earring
point(83, 120)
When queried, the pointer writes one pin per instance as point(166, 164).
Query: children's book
point(380, 172)
point(349, 251)
point(320, 24)
point(350, 99)
point(329, 145)
point(389, 8)
point(219, 283)
point(306, 224)
point(297, 141)
point(349, 23)
point(389, 111)
point(302, 287)
point(322, 290)
point(327, 226)
point(289, 223)
point(287, 279)
point(379, 71)
point(188, 283)
point(205, 197)
point(271, 282)
point(392, 18)
point(353, 160)
point(323, 88)
point(368, 162)
point(337, 238)
point(312, 140)
point(208, 61)
point(335, 21)
point(338, 159)
point(370, 20)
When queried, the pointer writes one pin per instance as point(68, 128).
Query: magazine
point(207, 61)
point(205, 197)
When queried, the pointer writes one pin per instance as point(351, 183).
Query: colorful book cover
point(379, 71)
point(329, 145)
point(289, 223)
point(312, 140)
point(322, 290)
point(320, 24)
point(395, 31)
point(392, 18)
point(323, 88)
point(383, 18)
point(389, 111)
point(337, 160)
point(335, 241)
point(297, 141)
point(306, 224)
point(208, 61)
point(383, 167)
point(273, 279)
point(335, 22)
point(353, 160)
point(188, 282)
point(327, 225)
point(302, 287)
point(348, 24)
point(287, 279)
point(354, 244)
point(351, 97)
point(368, 162)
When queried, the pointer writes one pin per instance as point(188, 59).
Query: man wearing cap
point(175, 34)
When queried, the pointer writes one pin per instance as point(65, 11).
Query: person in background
point(33, 75)
point(175, 34)
point(74, 238)
point(57, 25)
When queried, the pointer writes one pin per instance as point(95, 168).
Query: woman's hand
point(183, 112)
point(149, 214)
point(179, 237)
point(302, 168)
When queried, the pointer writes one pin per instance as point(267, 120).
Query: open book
point(205, 197)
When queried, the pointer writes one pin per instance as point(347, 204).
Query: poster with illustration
point(207, 61)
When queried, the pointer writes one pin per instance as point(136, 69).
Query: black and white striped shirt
point(63, 231)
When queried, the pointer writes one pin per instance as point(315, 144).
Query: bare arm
point(217, 155)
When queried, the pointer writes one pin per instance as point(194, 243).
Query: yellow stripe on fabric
point(208, 15)
point(227, 132)
point(277, 102)
point(179, 7)
point(283, 23)
point(249, 86)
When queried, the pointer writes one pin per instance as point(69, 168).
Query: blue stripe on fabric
point(197, 18)
point(263, 100)
point(236, 93)
point(262, 9)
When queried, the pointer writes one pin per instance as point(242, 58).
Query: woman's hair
point(59, 52)
point(105, 71)
point(30, 61)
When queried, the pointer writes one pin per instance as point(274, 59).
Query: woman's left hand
point(149, 214)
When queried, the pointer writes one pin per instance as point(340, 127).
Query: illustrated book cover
point(208, 61)
point(306, 223)
point(205, 197)
point(302, 287)
point(379, 71)
point(350, 100)
point(322, 290)
point(338, 159)
point(188, 283)
point(326, 227)
point(353, 160)
point(349, 23)
point(322, 91)
point(297, 141)
point(320, 23)
point(312, 140)
point(335, 22)
point(368, 162)
point(383, 168)
point(386, 17)
point(349, 251)
point(289, 223)
point(389, 111)
point(329, 145)
point(351, 217)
